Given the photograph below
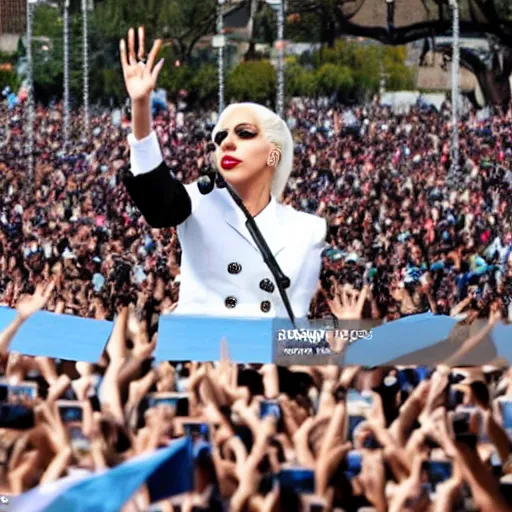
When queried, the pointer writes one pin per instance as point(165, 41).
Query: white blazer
point(222, 270)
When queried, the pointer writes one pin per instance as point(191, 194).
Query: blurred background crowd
point(419, 238)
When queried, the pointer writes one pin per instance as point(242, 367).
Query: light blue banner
point(59, 336)
point(250, 340)
point(197, 338)
point(396, 339)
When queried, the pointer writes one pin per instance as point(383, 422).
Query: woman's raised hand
point(140, 76)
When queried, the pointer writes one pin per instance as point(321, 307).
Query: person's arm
point(335, 429)
point(461, 306)
point(7, 335)
point(161, 198)
point(497, 435)
point(270, 381)
point(448, 493)
point(325, 467)
point(109, 393)
point(482, 483)
point(473, 341)
point(57, 466)
point(25, 308)
point(136, 391)
point(373, 479)
point(409, 413)
point(141, 119)
point(250, 477)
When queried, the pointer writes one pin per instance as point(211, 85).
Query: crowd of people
point(406, 234)
point(265, 438)
point(399, 221)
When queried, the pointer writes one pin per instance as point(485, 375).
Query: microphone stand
point(282, 281)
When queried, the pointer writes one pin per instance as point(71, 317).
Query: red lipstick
point(229, 162)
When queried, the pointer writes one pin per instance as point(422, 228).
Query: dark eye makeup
point(220, 136)
point(243, 133)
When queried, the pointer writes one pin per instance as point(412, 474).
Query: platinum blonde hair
point(276, 131)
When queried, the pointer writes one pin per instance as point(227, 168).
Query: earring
point(274, 157)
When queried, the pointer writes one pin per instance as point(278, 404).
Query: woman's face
point(242, 149)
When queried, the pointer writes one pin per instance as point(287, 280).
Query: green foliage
point(252, 81)
point(9, 78)
point(203, 83)
point(350, 70)
point(332, 79)
point(181, 23)
point(173, 79)
point(299, 81)
point(504, 9)
point(264, 24)
point(359, 69)
point(7, 58)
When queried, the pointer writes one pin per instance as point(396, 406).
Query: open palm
point(347, 304)
point(139, 77)
point(30, 304)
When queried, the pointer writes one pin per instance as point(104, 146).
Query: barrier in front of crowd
point(196, 338)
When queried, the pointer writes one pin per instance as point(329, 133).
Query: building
point(13, 14)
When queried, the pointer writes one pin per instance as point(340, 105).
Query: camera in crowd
point(120, 282)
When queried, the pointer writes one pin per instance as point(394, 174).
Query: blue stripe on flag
point(110, 490)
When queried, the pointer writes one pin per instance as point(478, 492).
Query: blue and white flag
point(109, 490)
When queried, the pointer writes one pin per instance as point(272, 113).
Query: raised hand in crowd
point(26, 307)
point(348, 302)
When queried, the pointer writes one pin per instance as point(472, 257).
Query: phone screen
point(18, 393)
point(179, 401)
point(198, 432)
point(437, 471)
point(270, 407)
point(23, 391)
point(506, 413)
point(301, 480)
point(70, 411)
point(70, 414)
point(79, 440)
point(353, 422)
point(354, 462)
point(19, 417)
point(355, 396)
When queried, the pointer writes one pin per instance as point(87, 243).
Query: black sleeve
point(162, 199)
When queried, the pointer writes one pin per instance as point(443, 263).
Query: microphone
point(209, 175)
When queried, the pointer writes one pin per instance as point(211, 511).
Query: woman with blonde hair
point(222, 270)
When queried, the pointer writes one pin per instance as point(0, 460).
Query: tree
point(315, 20)
point(203, 84)
point(332, 79)
point(263, 27)
point(252, 81)
point(182, 24)
point(503, 9)
point(10, 79)
point(299, 81)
